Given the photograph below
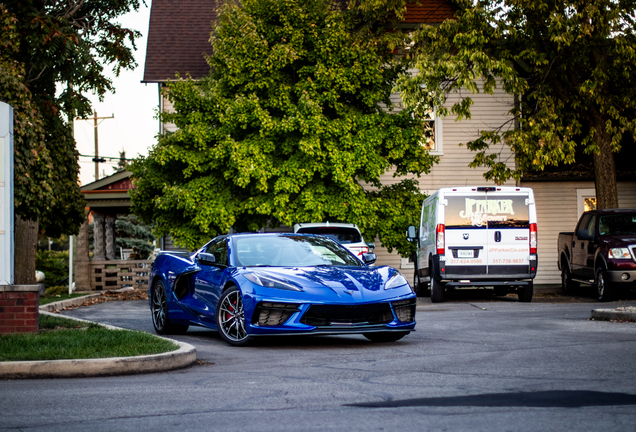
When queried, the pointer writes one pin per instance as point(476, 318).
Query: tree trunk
point(604, 170)
point(26, 239)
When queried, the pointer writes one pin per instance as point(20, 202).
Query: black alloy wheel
point(230, 318)
point(160, 319)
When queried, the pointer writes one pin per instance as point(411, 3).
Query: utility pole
point(97, 159)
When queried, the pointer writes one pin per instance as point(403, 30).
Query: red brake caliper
point(227, 314)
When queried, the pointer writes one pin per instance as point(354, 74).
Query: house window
point(433, 142)
point(585, 200)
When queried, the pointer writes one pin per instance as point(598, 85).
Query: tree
point(294, 124)
point(44, 45)
point(570, 64)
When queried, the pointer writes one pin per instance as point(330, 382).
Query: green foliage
point(131, 234)
point(294, 124)
point(43, 44)
point(53, 264)
point(56, 290)
point(571, 65)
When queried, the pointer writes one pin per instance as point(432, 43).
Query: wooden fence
point(112, 275)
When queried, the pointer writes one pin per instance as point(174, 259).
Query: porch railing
point(112, 275)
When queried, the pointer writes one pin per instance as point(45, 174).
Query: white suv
point(346, 234)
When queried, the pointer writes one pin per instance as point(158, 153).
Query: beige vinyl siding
point(556, 205)
point(488, 111)
point(167, 106)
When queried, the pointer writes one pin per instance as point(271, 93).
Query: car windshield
point(617, 224)
point(340, 234)
point(290, 251)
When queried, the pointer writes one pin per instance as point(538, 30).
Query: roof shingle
point(178, 39)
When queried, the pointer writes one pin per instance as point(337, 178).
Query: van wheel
point(420, 288)
point(567, 285)
point(437, 290)
point(603, 288)
point(525, 292)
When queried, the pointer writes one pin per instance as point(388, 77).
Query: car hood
point(619, 240)
point(332, 283)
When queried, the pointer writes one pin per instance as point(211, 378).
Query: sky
point(134, 105)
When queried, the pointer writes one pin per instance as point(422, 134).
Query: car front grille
point(267, 314)
point(347, 315)
point(405, 310)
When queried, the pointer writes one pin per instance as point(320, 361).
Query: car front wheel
point(230, 318)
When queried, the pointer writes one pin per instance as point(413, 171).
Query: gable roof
point(179, 34)
point(178, 39)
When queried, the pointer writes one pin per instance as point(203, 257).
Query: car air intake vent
point(405, 310)
point(268, 314)
point(335, 315)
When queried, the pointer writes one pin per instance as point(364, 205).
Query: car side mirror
point(206, 258)
point(411, 233)
point(371, 246)
point(584, 235)
point(369, 258)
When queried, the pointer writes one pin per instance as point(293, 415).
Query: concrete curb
point(185, 356)
point(59, 305)
point(612, 314)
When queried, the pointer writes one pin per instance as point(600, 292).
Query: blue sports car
point(251, 285)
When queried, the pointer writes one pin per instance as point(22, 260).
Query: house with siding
point(178, 41)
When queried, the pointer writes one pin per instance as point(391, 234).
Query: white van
point(476, 237)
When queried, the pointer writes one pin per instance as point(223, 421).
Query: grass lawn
point(61, 338)
point(58, 297)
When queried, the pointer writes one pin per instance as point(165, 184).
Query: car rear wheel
point(159, 307)
point(567, 285)
point(385, 336)
point(230, 318)
point(525, 292)
point(603, 288)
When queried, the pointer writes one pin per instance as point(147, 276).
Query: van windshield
point(482, 211)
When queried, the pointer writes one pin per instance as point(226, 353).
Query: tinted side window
point(220, 251)
point(584, 222)
point(494, 211)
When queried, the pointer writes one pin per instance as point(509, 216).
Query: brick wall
point(19, 312)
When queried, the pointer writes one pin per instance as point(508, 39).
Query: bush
point(54, 265)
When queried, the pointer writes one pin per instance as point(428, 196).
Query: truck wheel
point(525, 293)
point(603, 288)
point(437, 290)
point(567, 285)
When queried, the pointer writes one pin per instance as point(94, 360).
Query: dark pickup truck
point(601, 252)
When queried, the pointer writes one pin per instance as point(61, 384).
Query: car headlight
point(397, 280)
point(619, 253)
point(270, 282)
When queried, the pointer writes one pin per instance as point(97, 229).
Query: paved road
point(472, 364)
